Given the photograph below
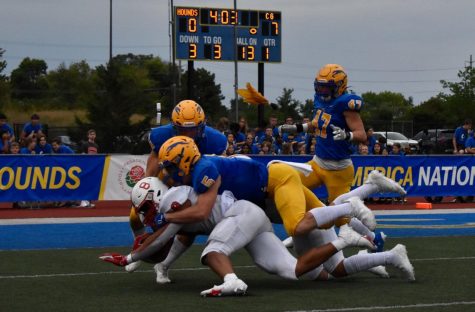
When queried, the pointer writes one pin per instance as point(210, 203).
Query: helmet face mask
point(331, 82)
point(146, 196)
point(188, 119)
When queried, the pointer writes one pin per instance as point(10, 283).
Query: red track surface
point(122, 208)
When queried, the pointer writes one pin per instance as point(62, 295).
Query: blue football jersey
point(331, 113)
point(212, 142)
point(246, 178)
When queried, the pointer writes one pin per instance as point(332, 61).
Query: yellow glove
point(252, 96)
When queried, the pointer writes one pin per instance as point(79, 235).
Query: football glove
point(159, 221)
point(340, 134)
point(115, 258)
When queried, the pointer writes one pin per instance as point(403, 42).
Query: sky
point(404, 46)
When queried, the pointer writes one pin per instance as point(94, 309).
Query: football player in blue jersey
point(187, 119)
point(299, 208)
point(337, 124)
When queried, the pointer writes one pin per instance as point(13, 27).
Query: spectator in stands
point(242, 131)
point(32, 128)
point(470, 144)
point(396, 150)
point(286, 149)
point(30, 145)
point(59, 147)
point(15, 148)
point(251, 141)
point(266, 149)
point(231, 140)
point(4, 126)
point(245, 149)
point(4, 142)
point(370, 139)
point(223, 125)
point(42, 146)
point(363, 149)
point(378, 150)
point(230, 150)
point(90, 146)
point(311, 141)
point(460, 136)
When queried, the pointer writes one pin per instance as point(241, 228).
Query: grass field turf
point(75, 280)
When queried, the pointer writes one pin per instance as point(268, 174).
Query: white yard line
point(185, 269)
point(409, 306)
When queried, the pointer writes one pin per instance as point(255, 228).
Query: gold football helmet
point(331, 82)
point(188, 118)
point(177, 155)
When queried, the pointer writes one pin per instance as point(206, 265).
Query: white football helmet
point(147, 193)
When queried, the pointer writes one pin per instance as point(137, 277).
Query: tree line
point(130, 84)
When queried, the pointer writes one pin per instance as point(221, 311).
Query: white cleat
point(132, 267)
point(235, 287)
point(361, 212)
point(288, 242)
point(401, 261)
point(379, 270)
point(384, 184)
point(162, 273)
point(353, 239)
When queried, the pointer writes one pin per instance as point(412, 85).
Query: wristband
point(349, 136)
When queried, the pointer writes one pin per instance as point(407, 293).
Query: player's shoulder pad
point(350, 102)
point(217, 139)
point(205, 175)
point(159, 135)
point(179, 194)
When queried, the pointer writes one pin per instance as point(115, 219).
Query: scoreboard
point(208, 34)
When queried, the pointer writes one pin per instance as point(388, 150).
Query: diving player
point(188, 119)
point(233, 224)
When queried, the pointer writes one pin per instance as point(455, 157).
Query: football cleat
point(132, 267)
point(162, 273)
point(379, 240)
point(361, 212)
point(379, 270)
point(384, 184)
point(401, 261)
point(235, 287)
point(288, 242)
point(353, 239)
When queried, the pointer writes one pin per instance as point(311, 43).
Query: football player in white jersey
point(232, 225)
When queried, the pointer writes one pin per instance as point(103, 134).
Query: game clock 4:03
point(208, 34)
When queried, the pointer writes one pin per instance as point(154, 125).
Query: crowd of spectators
point(34, 141)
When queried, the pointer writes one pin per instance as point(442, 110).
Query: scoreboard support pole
point(190, 80)
point(260, 87)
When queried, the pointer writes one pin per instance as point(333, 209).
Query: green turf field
point(75, 280)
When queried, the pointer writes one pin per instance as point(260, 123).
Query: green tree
point(288, 106)
point(460, 102)
point(430, 114)
point(379, 108)
point(206, 93)
point(29, 79)
point(71, 86)
point(120, 92)
point(4, 90)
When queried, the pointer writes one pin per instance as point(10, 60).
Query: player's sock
point(327, 214)
point(359, 227)
point(176, 250)
point(361, 192)
point(362, 262)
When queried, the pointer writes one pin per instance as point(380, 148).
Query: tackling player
point(234, 224)
point(188, 119)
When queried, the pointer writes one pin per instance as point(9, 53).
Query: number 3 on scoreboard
point(192, 51)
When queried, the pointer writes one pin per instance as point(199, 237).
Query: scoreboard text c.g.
point(208, 34)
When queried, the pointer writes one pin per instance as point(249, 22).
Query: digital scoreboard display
point(208, 34)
